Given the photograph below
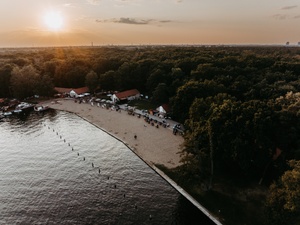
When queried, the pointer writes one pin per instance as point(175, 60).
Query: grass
point(231, 202)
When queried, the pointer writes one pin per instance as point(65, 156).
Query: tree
point(27, 81)
point(283, 201)
point(160, 94)
point(71, 73)
point(191, 90)
point(45, 86)
point(50, 67)
point(176, 79)
point(107, 80)
point(129, 77)
point(205, 138)
point(240, 138)
point(290, 102)
point(5, 75)
point(156, 77)
point(91, 81)
point(24, 81)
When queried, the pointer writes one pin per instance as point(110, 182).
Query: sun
point(53, 20)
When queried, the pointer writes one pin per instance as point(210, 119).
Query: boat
point(7, 113)
point(40, 108)
point(17, 111)
point(24, 106)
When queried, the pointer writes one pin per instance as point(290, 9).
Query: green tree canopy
point(107, 80)
point(27, 81)
point(283, 202)
point(161, 94)
point(186, 94)
point(91, 81)
point(5, 75)
point(24, 81)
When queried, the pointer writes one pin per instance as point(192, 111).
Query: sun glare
point(53, 21)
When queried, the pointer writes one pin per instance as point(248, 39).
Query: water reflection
point(59, 169)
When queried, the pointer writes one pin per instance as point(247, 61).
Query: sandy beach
point(153, 145)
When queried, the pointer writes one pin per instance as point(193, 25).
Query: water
point(56, 168)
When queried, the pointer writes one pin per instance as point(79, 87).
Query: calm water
point(56, 168)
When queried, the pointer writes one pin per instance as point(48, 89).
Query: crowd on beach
point(156, 120)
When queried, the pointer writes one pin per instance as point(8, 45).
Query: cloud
point(94, 2)
point(285, 16)
point(179, 1)
point(165, 21)
point(280, 16)
point(125, 21)
point(289, 7)
point(133, 21)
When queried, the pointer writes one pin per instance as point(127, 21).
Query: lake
point(57, 168)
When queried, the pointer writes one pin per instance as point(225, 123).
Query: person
point(135, 136)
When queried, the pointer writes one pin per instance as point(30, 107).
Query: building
point(72, 92)
point(126, 95)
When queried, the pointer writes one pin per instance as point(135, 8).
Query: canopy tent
point(160, 109)
point(73, 94)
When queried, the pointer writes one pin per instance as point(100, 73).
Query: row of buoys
point(78, 154)
point(69, 144)
point(99, 170)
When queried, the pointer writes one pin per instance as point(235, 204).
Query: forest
point(240, 106)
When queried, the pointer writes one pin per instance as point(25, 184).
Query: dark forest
point(240, 107)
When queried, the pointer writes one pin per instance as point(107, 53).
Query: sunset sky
point(81, 22)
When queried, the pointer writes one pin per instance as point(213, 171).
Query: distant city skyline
point(142, 22)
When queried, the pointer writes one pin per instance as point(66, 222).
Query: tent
point(161, 110)
point(73, 94)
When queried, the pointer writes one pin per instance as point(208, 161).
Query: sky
point(27, 23)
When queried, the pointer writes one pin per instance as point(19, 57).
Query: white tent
point(161, 110)
point(73, 94)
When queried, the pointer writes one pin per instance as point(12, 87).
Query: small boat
point(17, 111)
point(40, 108)
point(7, 113)
point(24, 106)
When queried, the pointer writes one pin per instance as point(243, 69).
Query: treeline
point(240, 105)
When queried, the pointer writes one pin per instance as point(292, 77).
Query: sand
point(153, 145)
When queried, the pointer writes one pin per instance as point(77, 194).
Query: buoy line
point(110, 188)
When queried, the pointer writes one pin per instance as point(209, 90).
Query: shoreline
point(153, 145)
point(168, 154)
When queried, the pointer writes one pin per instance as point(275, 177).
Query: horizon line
point(288, 44)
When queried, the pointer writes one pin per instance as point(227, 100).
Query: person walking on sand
point(135, 136)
